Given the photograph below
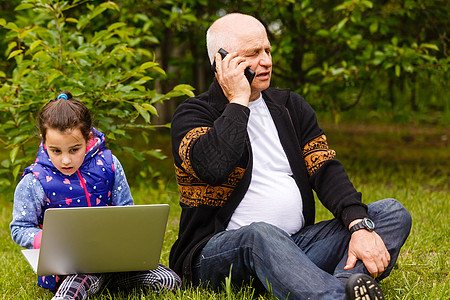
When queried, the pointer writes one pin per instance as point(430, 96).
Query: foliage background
point(376, 72)
point(132, 60)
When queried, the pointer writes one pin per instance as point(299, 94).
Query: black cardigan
point(213, 163)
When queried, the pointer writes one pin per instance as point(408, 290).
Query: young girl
point(73, 168)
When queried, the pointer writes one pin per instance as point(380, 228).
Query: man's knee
point(262, 232)
point(393, 211)
point(400, 211)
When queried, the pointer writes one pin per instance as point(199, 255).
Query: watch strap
point(357, 226)
point(365, 223)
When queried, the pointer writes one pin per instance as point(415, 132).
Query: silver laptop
point(100, 239)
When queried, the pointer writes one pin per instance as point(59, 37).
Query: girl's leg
point(162, 278)
point(80, 286)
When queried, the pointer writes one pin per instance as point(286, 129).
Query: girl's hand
point(37, 240)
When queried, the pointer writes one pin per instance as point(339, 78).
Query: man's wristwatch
point(366, 223)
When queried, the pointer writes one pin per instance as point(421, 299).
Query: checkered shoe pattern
point(80, 286)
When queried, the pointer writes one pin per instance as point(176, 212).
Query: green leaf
point(156, 153)
point(16, 171)
point(53, 75)
point(314, 71)
point(388, 65)
point(336, 71)
point(142, 80)
point(11, 25)
point(110, 5)
point(173, 94)
point(23, 6)
point(116, 25)
point(6, 163)
point(367, 3)
point(13, 153)
point(429, 46)
point(76, 92)
point(142, 112)
point(25, 33)
point(148, 65)
point(124, 88)
point(185, 88)
point(11, 46)
point(42, 56)
point(341, 24)
point(180, 87)
point(84, 62)
point(150, 108)
point(35, 44)
point(341, 7)
point(373, 27)
point(190, 18)
point(322, 33)
point(159, 70)
point(397, 70)
point(139, 156)
point(111, 136)
point(2, 74)
point(394, 41)
point(14, 53)
point(97, 11)
point(99, 35)
point(18, 139)
point(119, 132)
point(134, 95)
point(158, 97)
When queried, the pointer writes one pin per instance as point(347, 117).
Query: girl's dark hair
point(62, 114)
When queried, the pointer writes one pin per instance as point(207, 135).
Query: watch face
point(369, 223)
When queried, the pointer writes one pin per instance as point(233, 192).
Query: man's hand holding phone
point(230, 73)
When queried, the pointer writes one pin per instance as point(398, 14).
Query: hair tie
point(62, 96)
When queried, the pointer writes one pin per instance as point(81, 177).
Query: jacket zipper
point(85, 189)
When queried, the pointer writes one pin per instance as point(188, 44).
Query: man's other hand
point(370, 249)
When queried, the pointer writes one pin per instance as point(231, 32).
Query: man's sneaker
point(362, 287)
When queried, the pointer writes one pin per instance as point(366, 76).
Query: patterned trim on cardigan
point(316, 153)
point(195, 192)
point(185, 147)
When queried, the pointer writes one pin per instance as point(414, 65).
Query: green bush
point(55, 46)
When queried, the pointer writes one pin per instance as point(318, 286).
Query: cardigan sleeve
point(326, 174)
point(207, 144)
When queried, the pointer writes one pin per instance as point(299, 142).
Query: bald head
point(230, 32)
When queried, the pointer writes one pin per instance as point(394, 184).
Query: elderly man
point(247, 158)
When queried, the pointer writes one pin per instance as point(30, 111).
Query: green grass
point(409, 163)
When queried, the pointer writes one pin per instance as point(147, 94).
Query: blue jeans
point(306, 265)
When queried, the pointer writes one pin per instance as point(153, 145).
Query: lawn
point(408, 162)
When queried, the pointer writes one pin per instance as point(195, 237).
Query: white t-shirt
point(273, 196)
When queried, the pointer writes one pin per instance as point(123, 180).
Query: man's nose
point(265, 59)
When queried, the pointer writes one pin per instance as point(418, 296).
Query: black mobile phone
point(249, 73)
